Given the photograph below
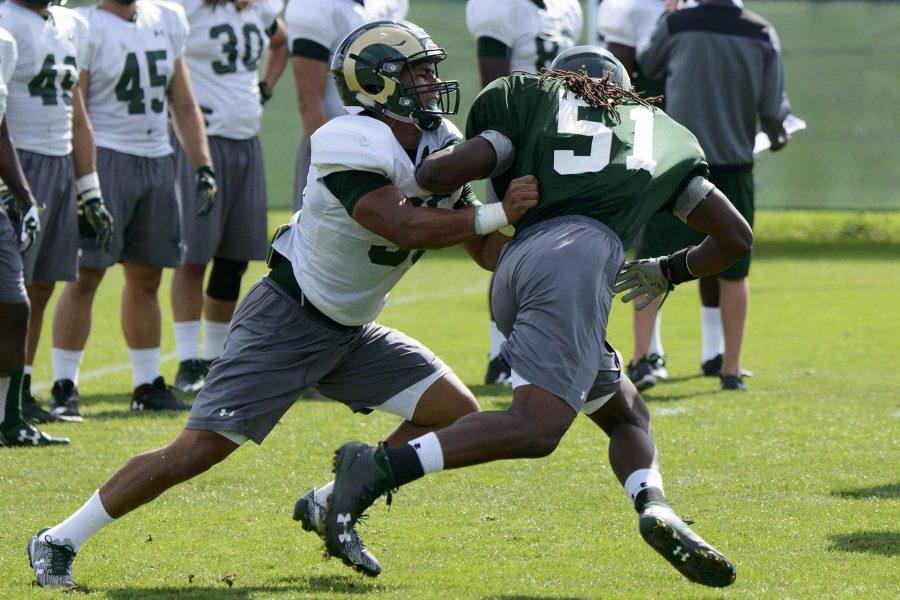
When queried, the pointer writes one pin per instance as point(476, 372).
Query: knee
point(144, 280)
point(225, 279)
point(195, 452)
point(87, 283)
point(39, 294)
point(537, 440)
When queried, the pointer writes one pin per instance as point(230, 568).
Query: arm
point(773, 104)
point(11, 171)
point(728, 236)
point(84, 154)
point(310, 77)
point(456, 165)
point(485, 249)
point(493, 59)
point(625, 54)
point(277, 58)
point(187, 118)
point(654, 58)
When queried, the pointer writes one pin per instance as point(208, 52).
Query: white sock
point(187, 339)
point(641, 480)
point(497, 341)
point(28, 370)
point(213, 339)
point(4, 387)
point(323, 492)
point(65, 364)
point(428, 447)
point(144, 365)
point(656, 346)
point(84, 522)
point(711, 326)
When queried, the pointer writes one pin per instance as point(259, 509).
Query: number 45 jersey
point(130, 65)
point(618, 167)
point(51, 52)
point(224, 52)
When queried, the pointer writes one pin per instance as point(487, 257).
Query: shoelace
point(61, 558)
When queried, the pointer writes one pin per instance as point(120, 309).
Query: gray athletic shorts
point(54, 257)
point(275, 349)
point(551, 297)
point(12, 282)
point(140, 194)
point(236, 228)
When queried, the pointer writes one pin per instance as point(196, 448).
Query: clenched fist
point(521, 196)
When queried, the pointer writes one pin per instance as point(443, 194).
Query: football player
point(315, 28)
point(19, 225)
point(511, 36)
point(50, 128)
point(606, 161)
point(311, 320)
point(133, 74)
point(227, 41)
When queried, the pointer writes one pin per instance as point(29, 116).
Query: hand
point(780, 141)
point(206, 189)
point(643, 277)
point(521, 196)
point(94, 221)
point(26, 223)
point(673, 5)
point(265, 93)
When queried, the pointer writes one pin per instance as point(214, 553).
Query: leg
point(646, 329)
point(141, 321)
point(39, 293)
point(187, 292)
point(442, 404)
point(221, 298)
point(711, 326)
point(72, 318)
point(187, 303)
point(14, 324)
point(735, 301)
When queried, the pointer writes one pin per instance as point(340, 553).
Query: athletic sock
point(144, 365)
point(405, 464)
point(82, 524)
point(497, 341)
point(11, 396)
point(641, 480)
point(187, 339)
point(428, 449)
point(323, 492)
point(4, 388)
point(646, 496)
point(711, 326)
point(214, 333)
point(28, 370)
point(65, 364)
point(656, 346)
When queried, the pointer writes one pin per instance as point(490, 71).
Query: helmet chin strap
point(425, 123)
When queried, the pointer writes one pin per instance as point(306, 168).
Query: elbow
point(741, 242)
point(430, 178)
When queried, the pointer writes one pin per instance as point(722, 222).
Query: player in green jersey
point(605, 160)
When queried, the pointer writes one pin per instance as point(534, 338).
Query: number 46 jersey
point(130, 65)
point(618, 167)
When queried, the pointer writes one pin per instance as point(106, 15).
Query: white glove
point(30, 228)
point(643, 277)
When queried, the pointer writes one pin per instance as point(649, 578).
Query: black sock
point(646, 496)
point(12, 417)
point(405, 464)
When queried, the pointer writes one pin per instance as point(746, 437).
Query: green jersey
point(618, 167)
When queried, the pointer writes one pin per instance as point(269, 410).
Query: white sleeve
point(337, 147)
point(401, 8)
point(311, 20)
point(177, 25)
point(269, 10)
point(9, 56)
point(83, 43)
point(189, 6)
point(615, 24)
point(644, 19)
point(491, 19)
point(89, 49)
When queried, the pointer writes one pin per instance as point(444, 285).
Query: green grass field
point(796, 480)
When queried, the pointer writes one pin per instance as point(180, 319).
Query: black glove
point(265, 94)
point(206, 190)
point(94, 221)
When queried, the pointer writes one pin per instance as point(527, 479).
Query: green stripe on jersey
point(349, 186)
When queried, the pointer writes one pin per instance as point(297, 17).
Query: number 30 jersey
point(51, 52)
point(618, 167)
point(130, 65)
point(224, 51)
point(8, 56)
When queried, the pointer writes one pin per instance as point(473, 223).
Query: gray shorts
point(12, 282)
point(54, 257)
point(236, 228)
point(275, 349)
point(551, 297)
point(141, 195)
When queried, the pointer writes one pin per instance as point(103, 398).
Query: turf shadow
point(827, 250)
point(885, 543)
point(335, 584)
point(885, 490)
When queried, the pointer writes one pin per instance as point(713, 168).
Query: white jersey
point(328, 22)
point(224, 51)
point(8, 56)
point(344, 269)
point(628, 22)
point(534, 35)
point(51, 53)
point(131, 64)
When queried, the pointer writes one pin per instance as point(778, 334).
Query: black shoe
point(28, 435)
point(498, 372)
point(733, 382)
point(641, 373)
point(685, 550)
point(712, 367)
point(191, 375)
point(64, 401)
point(659, 366)
point(156, 396)
point(31, 408)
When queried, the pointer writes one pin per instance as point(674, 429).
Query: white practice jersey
point(344, 269)
point(7, 66)
point(51, 53)
point(224, 51)
point(328, 22)
point(534, 35)
point(628, 22)
point(130, 66)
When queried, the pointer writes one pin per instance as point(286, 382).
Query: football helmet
point(595, 62)
point(368, 69)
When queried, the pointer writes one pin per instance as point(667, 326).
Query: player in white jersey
point(134, 74)
point(625, 27)
point(49, 125)
point(517, 35)
point(19, 224)
point(315, 28)
point(227, 42)
point(309, 323)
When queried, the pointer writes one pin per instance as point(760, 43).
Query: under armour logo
point(157, 33)
point(643, 484)
point(417, 445)
point(225, 413)
point(684, 555)
point(344, 519)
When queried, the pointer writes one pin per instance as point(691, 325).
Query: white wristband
point(490, 218)
point(86, 184)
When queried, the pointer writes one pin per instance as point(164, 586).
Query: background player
point(227, 41)
point(518, 35)
point(134, 73)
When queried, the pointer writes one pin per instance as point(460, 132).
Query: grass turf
point(795, 480)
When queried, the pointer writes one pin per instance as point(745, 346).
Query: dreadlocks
point(598, 93)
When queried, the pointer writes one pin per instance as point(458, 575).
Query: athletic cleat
point(156, 396)
point(659, 366)
point(33, 411)
point(712, 367)
point(52, 563)
point(64, 401)
point(191, 374)
point(498, 372)
point(362, 473)
point(733, 382)
point(641, 373)
point(685, 550)
point(27, 435)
